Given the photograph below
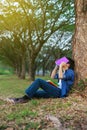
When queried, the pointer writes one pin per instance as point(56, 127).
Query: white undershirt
point(60, 82)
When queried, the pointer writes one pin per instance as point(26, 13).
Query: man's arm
point(60, 72)
point(54, 72)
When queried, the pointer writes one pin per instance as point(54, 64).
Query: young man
point(65, 76)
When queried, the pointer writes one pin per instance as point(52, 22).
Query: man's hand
point(56, 67)
point(61, 67)
point(63, 64)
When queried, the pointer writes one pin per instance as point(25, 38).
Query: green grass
point(4, 71)
point(32, 115)
point(11, 85)
point(20, 114)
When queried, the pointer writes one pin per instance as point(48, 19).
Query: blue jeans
point(48, 90)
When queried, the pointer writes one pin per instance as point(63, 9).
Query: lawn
point(71, 111)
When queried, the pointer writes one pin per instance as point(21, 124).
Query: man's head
point(70, 63)
point(65, 62)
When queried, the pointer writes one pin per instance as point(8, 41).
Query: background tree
point(13, 29)
point(57, 46)
point(32, 23)
point(9, 55)
point(80, 40)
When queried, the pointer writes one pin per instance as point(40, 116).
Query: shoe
point(21, 100)
point(16, 100)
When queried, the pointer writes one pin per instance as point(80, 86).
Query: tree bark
point(43, 74)
point(23, 71)
point(32, 69)
point(80, 40)
point(18, 71)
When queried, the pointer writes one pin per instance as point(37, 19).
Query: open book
point(63, 59)
point(52, 83)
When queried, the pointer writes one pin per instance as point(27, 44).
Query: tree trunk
point(23, 69)
point(18, 71)
point(43, 74)
point(31, 69)
point(80, 40)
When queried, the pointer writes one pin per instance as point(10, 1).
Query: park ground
point(40, 114)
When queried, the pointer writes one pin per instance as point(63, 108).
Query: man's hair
point(71, 62)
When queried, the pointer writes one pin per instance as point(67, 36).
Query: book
point(52, 83)
point(63, 59)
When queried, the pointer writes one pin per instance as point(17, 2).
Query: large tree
point(80, 40)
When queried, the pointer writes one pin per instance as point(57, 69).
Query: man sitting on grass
point(65, 75)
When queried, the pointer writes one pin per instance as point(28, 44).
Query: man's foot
point(17, 100)
point(11, 100)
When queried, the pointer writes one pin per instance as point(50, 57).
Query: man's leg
point(32, 91)
point(49, 89)
point(41, 94)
